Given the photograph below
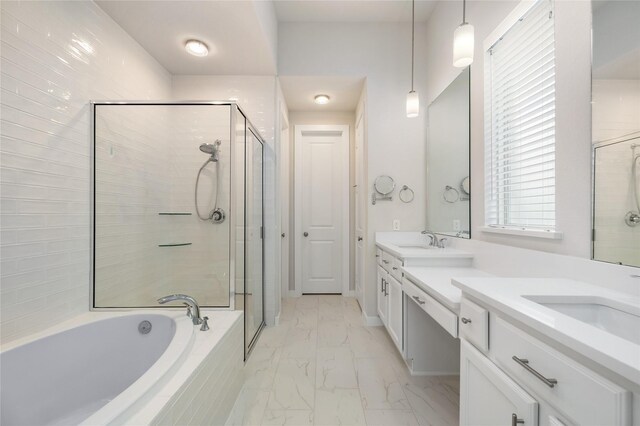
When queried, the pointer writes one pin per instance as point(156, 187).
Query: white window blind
point(520, 124)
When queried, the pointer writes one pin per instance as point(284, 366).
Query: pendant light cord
point(413, 36)
point(464, 12)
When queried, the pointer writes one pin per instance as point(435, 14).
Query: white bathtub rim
point(147, 385)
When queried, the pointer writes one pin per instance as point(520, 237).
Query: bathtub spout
point(189, 301)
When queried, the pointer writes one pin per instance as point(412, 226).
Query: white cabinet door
point(488, 397)
point(394, 317)
point(383, 305)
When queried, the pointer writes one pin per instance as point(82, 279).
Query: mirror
point(384, 185)
point(616, 131)
point(448, 189)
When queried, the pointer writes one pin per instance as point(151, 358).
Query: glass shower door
point(254, 234)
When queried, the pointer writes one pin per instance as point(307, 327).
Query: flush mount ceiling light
point(463, 43)
point(196, 47)
point(413, 101)
point(321, 99)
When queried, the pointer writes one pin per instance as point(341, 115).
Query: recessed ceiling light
point(321, 99)
point(196, 48)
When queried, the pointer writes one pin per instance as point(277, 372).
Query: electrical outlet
point(396, 225)
point(456, 225)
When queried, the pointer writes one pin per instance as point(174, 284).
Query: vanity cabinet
point(389, 289)
point(504, 369)
point(488, 396)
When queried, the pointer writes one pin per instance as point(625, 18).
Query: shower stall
point(178, 207)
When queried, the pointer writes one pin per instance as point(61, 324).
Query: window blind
point(520, 124)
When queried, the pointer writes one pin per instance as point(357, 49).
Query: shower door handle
point(306, 234)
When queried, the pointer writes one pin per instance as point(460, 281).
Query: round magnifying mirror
point(465, 185)
point(384, 185)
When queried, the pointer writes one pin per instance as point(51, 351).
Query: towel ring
point(409, 194)
point(450, 194)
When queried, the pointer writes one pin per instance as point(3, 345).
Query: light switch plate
point(396, 225)
point(456, 225)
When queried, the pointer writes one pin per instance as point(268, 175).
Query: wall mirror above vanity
point(448, 186)
point(616, 131)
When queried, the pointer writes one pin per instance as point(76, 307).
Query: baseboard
point(350, 293)
point(372, 321)
point(433, 373)
point(276, 320)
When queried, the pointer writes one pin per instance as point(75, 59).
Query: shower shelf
point(173, 214)
point(174, 245)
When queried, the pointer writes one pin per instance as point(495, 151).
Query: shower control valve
point(217, 215)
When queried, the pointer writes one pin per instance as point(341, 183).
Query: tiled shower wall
point(55, 58)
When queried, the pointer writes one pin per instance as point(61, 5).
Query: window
point(520, 123)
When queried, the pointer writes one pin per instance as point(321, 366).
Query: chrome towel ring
point(406, 194)
point(450, 194)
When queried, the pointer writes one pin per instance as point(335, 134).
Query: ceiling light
point(463, 43)
point(321, 99)
point(413, 100)
point(196, 48)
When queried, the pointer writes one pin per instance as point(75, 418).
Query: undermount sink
point(415, 246)
point(613, 317)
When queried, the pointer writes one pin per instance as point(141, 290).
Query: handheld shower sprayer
point(211, 149)
point(216, 215)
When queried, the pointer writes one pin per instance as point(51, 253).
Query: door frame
point(344, 194)
point(285, 204)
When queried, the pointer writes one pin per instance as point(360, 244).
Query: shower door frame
point(234, 109)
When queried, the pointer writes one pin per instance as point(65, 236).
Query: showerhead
point(211, 149)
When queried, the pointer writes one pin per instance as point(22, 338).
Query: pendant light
point(413, 101)
point(463, 43)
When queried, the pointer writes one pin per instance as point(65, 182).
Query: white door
point(285, 182)
point(489, 397)
point(322, 208)
point(360, 203)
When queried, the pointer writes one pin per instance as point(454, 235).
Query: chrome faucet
point(193, 310)
point(434, 241)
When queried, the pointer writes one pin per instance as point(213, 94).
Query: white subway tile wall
point(55, 58)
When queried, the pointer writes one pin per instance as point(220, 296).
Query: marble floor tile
point(338, 407)
point(287, 418)
point(293, 385)
point(249, 408)
point(335, 369)
point(379, 385)
point(300, 343)
point(435, 400)
point(366, 343)
point(332, 334)
point(260, 368)
point(273, 337)
point(390, 418)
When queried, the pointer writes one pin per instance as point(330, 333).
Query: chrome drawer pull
point(385, 261)
point(525, 364)
point(394, 268)
point(515, 421)
point(417, 299)
point(465, 320)
point(382, 285)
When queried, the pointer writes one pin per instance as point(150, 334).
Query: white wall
point(315, 117)
point(56, 57)
point(396, 144)
point(573, 113)
point(256, 96)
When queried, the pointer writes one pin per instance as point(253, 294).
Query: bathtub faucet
point(189, 301)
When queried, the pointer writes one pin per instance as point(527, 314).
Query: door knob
point(282, 235)
point(359, 238)
point(306, 234)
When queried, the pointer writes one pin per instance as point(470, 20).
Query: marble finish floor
point(322, 366)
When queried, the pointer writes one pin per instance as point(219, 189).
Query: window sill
point(535, 233)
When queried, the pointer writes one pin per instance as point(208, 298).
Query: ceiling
point(343, 91)
point(231, 29)
point(351, 10)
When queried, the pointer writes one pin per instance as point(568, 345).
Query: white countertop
point(422, 253)
point(508, 296)
point(436, 281)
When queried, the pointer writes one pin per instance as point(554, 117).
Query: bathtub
point(96, 372)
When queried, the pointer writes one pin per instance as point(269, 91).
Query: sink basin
point(608, 315)
point(415, 246)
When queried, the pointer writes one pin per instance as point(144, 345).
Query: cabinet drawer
point(396, 271)
point(386, 261)
point(580, 394)
point(474, 324)
point(379, 256)
point(443, 316)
